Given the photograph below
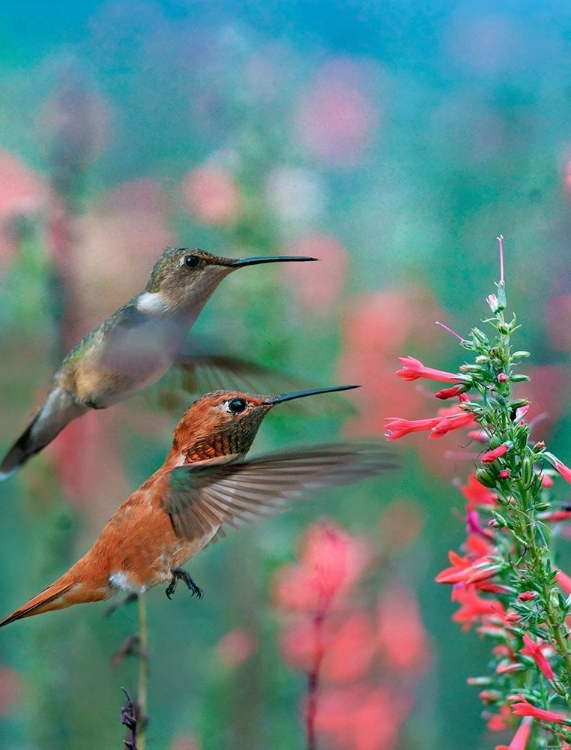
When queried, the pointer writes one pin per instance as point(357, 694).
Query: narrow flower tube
point(520, 738)
point(452, 422)
point(398, 427)
point(535, 650)
point(451, 392)
point(564, 581)
point(490, 456)
point(524, 708)
point(559, 466)
point(413, 369)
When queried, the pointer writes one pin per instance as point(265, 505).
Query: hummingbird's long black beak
point(280, 398)
point(241, 262)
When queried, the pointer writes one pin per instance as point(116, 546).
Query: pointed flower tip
point(413, 369)
point(492, 455)
point(558, 465)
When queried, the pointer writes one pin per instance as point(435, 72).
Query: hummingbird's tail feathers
point(58, 410)
point(74, 587)
point(54, 597)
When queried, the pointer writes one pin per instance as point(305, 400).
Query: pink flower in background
point(317, 287)
point(403, 641)
point(336, 119)
point(22, 193)
point(10, 688)
point(237, 646)
point(212, 195)
point(185, 743)
point(476, 494)
point(331, 560)
point(118, 242)
point(364, 717)
point(348, 642)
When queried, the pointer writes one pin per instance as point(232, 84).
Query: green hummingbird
point(133, 348)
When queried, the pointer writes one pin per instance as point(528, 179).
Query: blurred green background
point(393, 140)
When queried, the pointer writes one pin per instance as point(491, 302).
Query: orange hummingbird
point(134, 347)
point(204, 485)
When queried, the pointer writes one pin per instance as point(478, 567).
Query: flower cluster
point(359, 662)
point(504, 581)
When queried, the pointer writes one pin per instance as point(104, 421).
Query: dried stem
point(143, 671)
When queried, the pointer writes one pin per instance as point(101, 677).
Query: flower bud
point(486, 477)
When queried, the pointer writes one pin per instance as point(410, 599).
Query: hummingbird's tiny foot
point(116, 605)
point(180, 573)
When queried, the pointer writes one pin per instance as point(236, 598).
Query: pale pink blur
point(212, 196)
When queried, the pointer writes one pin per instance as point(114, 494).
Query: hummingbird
point(204, 485)
point(134, 347)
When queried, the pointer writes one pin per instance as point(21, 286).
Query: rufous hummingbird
point(133, 348)
point(204, 485)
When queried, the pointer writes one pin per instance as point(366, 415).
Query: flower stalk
point(506, 582)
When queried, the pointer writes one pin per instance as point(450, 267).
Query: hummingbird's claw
point(180, 573)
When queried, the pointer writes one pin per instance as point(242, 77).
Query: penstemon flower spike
point(505, 580)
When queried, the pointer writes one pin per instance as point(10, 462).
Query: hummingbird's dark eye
point(237, 405)
point(191, 261)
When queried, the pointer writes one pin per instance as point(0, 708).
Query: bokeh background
point(394, 140)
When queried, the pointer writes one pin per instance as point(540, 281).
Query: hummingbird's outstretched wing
point(201, 368)
point(199, 499)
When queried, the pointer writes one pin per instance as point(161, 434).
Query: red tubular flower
point(535, 650)
point(490, 456)
point(524, 708)
point(474, 608)
point(564, 581)
point(398, 427)
point(451, 422)
point(414, 369)
point(476, 494)
point(559, 466)
point(446, 393)
point(500, 721)
point(520, 738)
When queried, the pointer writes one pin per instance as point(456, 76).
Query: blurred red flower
point(10, 687)
point(22, 193)
point(403, 640)
point(363, 717)
point(237, 646)
point(336, 119)
point(348, 644)
point(317, 286)
point(331, 560)
point(476, 494)
point(212, 195)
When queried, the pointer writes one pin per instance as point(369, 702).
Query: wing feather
point(202, 498)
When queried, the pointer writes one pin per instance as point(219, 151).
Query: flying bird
point(205, 485)
point(134, 347)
